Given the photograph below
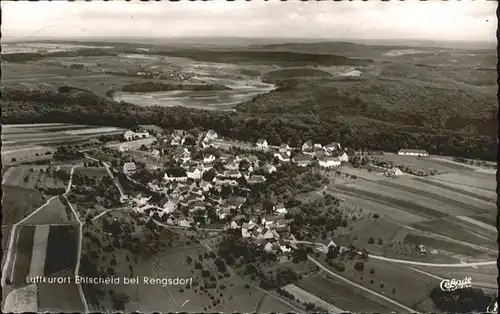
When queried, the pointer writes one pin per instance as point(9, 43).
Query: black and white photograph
point(249, 156)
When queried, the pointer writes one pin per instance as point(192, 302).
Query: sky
point(433, 20)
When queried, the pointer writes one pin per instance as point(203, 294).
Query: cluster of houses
point(130, 135)
point(327, 156)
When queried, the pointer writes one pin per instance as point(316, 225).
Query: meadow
point(342, 295)
point(18, 203)
point(22, 255)
point(55, 212)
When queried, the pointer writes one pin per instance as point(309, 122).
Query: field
point(490, 219)
point(442, 245)
point(92, 171)
point(307, 297)
point(271, 305)
point(481, 194)
point(31, 177)
point(455, 230)
point(473, 179)
point(423, 163)
point(387, 276)
point(39, 255)
point(23, 76)
point(18, 203)
point(63, 298)
point(22, 300)
point(484, 277)
point(342, 295)
point(55, 212)
point(23, 250)
point(61, 249)
point(22, 142)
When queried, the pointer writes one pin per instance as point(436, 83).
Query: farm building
point(129, 168)
point(329, 162)
point(393, 172)
point(131, 135)
point(413, 152)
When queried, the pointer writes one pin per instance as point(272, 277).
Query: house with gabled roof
point(211, 135)
point(307, 146)
point(269, 168)
point(334, 146)
point(194, 173)
point(302, 160)
point(233, 165)
point(282, 157)
point(329, 162)
point(235, 174)
point(255, 179)
point(209, 158)
point(205, 186)
point(129, 168)
point(262, 144)
point(413, 152)
point(155, 154)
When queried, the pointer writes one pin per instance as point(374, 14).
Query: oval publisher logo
point(454, 284)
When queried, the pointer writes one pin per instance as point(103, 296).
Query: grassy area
point(22, 255)
point(388, 197)
point(38, 257)
point(439, 244)
point(489, 219)
point(61, 249)
point(452, 230)
point(271, 305)
point(32, 177)
point(473, 179)
point(485, 195)
point(391, 279)
point(63, 297)
point(55, 212)
point(92, 171)
point(17, 203)
point(342, 295)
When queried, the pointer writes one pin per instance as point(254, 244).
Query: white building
point(262, 144)
point(129, 135)
point(302, 160)
point(209, 159)
point(129, 168)
point(281, 209)
point(393, 172)
point(178, 177)
point(413, 152)
point(205, 186)
point(307, 146)
point(329, 162)
point(344, 157)
point(194, 174)
point(211, 135)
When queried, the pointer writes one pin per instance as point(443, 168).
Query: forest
point(357, 132)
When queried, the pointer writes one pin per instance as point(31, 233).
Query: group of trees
point(465, 300)
point(87, 108)
point(64, 153)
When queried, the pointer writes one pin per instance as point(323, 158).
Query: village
point(202, 185)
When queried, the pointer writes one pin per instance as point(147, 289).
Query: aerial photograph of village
point(252, 157)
